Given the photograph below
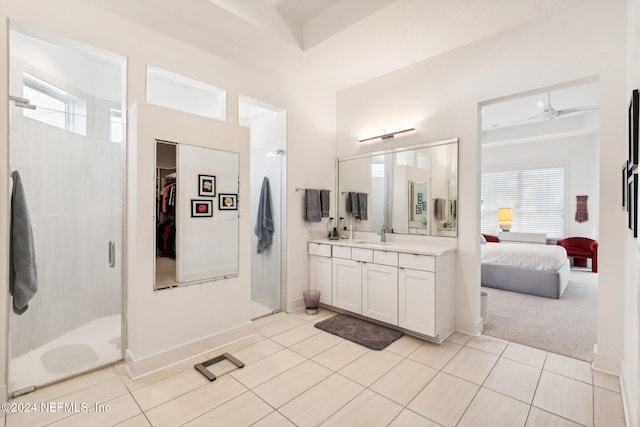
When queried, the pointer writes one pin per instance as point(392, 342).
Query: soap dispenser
point(333, 233)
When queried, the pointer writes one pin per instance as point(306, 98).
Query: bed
point(534, 269)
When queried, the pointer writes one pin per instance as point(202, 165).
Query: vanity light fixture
point(386, 135)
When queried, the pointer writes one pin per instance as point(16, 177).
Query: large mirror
point(409, 190)
point(196, 215)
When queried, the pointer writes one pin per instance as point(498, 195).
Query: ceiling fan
point(547, 112)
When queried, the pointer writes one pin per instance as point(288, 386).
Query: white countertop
point(404, 247)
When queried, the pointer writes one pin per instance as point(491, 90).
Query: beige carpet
point(566, 326)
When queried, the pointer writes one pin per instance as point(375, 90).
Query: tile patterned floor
point(296, 374)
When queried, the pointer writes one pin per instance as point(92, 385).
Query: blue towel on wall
point(312, 207)
point(264, 223)
point(23, 273)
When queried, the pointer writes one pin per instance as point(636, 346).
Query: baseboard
point(478, 327)
point(139, 367)
point(604, 363)
point(629, 402)
point(625, 402)
point(295, 305)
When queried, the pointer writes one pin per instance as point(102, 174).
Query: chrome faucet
point(383, 233)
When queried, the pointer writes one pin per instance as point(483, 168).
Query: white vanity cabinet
point(380, 292)
point(417, 295)
point(425, 294)
point(347, 284)
point(320, 270)
point(362, 286)
point(410, 291)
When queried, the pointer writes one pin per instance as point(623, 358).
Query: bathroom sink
point(364, 242)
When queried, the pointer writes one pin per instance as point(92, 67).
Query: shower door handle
point(112, 253)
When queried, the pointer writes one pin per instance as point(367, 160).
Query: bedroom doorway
point(539, 159)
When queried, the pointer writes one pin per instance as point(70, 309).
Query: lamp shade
point(505, 214)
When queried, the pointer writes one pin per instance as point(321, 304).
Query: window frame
point(115, 113)
point(516, 204)
point(70, 101)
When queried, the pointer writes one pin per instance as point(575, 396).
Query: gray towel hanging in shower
point(264, 223)
point(23, 274)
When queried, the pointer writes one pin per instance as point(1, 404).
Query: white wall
point(580, 156)
point(310, 128)
point(169, 325)
point(631, 256)
point(441, 97)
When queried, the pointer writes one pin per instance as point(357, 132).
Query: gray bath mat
point(359, 331)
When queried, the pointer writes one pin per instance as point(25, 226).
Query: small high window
point(115, 120)
point(54, 106)
point(181, 93)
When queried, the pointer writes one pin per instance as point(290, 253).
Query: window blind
point(535, 195)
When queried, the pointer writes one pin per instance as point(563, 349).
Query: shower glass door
point(266, 267)
point(67, 144)
point(268, 139)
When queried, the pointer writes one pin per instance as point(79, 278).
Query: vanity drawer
point(385, 258)
point(360, 254)
point(417, 262)
point(342, 252)
point(320, 249)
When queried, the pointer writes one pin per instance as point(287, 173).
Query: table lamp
point(505, 216)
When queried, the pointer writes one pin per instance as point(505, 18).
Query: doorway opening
point(539, 164)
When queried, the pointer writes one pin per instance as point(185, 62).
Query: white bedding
point(531, 256)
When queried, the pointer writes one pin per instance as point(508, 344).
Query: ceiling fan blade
point(526, 119)
point(576, 110)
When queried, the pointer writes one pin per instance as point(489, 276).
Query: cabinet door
point(417, 297)
point(347, 285)
point(320, 277)
point(380, 292)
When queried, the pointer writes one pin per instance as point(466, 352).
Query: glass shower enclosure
point(67, 145)
point(268, 172)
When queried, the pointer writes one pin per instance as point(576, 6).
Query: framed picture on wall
point(419, 209)
point(634, 108)
point(207, 185)
point(228, 202)
point(201, 208)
